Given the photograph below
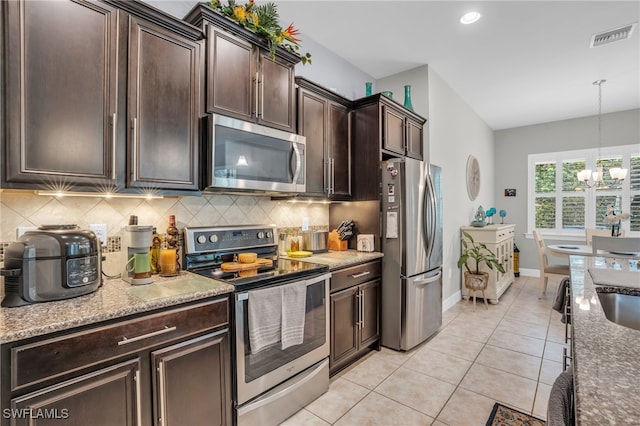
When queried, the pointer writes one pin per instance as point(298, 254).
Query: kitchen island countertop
point(606, 356)
point(114, 299)
point(340, 259)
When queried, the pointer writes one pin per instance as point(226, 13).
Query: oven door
point(260, 371)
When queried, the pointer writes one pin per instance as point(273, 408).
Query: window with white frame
point(560, 204)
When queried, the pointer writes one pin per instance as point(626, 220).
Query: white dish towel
point(265, 317)
point(294, 307)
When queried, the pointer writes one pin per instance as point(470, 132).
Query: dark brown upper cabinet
point(100, 96)
point(164, 108)
point(62, 68)
point(401, 133)
point(242, 79)
point(324, 119)
point(381, 128)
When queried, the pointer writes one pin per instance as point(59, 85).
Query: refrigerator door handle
point(426, 281)
point(428, 216)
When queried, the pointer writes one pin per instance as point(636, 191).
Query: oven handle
point(245, 295)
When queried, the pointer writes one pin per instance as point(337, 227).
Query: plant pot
point(473, 281)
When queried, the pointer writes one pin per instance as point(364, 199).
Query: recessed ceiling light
point(469, 18)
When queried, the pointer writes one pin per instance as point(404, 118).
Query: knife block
point(334, 242)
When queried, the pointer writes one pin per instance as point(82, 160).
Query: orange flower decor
point(263, 19)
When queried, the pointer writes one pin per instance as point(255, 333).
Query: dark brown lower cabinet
point(166, 368)
point(108, 396)
point(189, 382)
point(355, 314)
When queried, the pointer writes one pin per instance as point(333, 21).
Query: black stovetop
point(283, 270)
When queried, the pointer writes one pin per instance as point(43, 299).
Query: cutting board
point(234, 267)
point(299, 253)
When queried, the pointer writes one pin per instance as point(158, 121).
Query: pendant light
point(588, 178)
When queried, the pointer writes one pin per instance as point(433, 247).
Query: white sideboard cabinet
point(499, 239)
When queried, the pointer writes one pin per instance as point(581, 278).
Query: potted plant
point(475, 279)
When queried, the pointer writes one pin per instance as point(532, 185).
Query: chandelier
point(586, 176)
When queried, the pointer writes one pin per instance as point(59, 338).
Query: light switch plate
point(100, 229)
point(305, 223)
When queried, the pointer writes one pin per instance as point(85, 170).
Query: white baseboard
point(451, 300)
point(529, 272)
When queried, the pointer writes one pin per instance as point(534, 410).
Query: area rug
point(502, 415)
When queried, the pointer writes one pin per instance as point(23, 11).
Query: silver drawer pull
point(361, 274)
point(126, 341)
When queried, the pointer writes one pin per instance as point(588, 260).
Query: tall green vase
point(407, 97)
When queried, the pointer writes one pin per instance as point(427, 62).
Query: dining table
point(586, 250)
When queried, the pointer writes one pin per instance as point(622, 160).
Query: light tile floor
point(509, 353)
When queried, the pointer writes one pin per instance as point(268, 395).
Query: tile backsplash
point(19, 209)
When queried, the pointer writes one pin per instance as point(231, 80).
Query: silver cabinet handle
point(327, 179)
point(134, 149)
point(161, 391)
point(261, 86)
point(138, 397)
point(358, 308)
point(126, 341)
point(333, 176)
point(361, 309)
point(361, 274)
point(565, 357)
point(257, 74)
point(113, 147)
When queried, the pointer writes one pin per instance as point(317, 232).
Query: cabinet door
point(164, 84)
point(312, 115)
point(192, 381)
point(62, 74)
point(370, 305)
point(393, 131)
point(275, 92)
point(231, 75)
point(110, 396)
point(339, 151)
point(414, 139)
point(344, 331)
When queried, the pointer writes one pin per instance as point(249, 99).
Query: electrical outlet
point(100, 229)
point(305, 223)
point(22, 229)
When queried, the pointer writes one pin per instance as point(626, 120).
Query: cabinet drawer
point(345, 278)
point(46, 359)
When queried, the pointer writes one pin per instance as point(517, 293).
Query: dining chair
point(546, 269)
point(615, 244)
point(590, 232)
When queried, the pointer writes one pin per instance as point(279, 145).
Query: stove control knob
point(269, 234)
point(260, 235)
point(213, 238)
point(201, 239)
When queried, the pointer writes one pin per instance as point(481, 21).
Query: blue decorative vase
point(407, 97)
point(367, 88)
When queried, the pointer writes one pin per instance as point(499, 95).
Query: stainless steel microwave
point(243, 156)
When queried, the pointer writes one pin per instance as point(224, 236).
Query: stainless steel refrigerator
point(412, 244)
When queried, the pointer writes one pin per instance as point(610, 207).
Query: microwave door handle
point(298, 164)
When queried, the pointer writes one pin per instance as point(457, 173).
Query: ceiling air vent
point(615, 34)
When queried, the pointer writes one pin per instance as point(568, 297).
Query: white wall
point(332, 71)
point(454, 132)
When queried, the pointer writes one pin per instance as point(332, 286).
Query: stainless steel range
point(280, 320)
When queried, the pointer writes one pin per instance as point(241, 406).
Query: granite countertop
point(114, 299)
point(340, 259)
point(606, 356)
